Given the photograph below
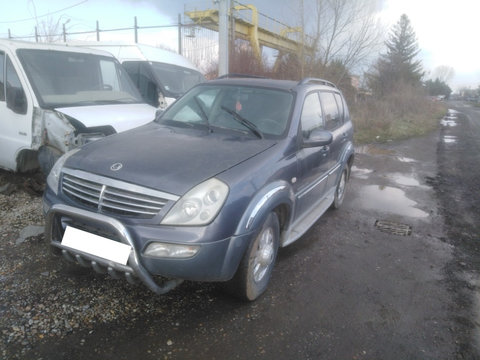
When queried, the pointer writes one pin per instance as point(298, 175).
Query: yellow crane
point(252, 32)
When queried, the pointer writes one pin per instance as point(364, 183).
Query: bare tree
point(49, 30)
point(443, 73)
point(345, 31)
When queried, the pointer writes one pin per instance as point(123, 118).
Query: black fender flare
point(265, 200)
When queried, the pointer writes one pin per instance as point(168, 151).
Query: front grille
point(113, 196)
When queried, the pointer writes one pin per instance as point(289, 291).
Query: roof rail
point(236, 75)
point(311, 80)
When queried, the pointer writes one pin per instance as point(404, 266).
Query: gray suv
point(209, 191)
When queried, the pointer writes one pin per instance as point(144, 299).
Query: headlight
point(54, 175)
point(157, 249)
point(199, 206)
point(85, 138)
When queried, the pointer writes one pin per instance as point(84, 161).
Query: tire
point(341, 188)
point(47, 157)
point(255, 269)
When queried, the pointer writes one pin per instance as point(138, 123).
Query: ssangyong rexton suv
point(209, 191)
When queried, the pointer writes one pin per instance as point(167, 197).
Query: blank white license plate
point(96, 245)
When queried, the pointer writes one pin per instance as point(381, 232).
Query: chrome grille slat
point(117, 202)
point(83, 183)
point(125, 209)
point(79, 190)
point(112, 196)
point(75, 194)
point(134, 197)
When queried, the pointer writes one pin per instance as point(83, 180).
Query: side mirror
point(318, 138)
point(16, 100)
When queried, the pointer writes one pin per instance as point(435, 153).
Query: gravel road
point(351, 288)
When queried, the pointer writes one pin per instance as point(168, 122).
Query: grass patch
point(397, 117)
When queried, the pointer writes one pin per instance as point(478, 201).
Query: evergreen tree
point(398, 67)
point(437, 87)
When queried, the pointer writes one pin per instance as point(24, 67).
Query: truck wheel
point(47, 156)
point(341, 188)
point(256, 267)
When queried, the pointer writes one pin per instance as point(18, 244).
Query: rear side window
point(331, 111)
point(340, 106)
point(311, 115)
point(2, 76)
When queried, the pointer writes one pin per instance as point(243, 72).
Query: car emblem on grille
point(116, 166)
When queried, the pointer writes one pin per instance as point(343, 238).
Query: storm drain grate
point(393, 228)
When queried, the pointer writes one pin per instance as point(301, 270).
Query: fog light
point(164, 250)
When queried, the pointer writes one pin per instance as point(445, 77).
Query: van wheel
point(255, 269)
point(341, 188)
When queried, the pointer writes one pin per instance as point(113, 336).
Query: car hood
point(167, 159)
point(120, 116)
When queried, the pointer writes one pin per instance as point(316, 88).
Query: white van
point(161, 76)
point(54, 98)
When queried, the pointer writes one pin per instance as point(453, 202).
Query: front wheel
point(255, 269)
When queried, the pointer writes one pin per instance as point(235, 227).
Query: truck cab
point(55, 98)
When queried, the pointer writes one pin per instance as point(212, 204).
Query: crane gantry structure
point(256, 35)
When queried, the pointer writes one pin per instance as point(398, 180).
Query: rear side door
point(15, 114)
point(313, 161)
point(334, 113)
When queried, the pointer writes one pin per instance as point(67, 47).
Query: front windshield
point(63, 79)
point(176, 79)
point(252, 110)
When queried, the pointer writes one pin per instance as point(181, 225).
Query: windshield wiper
point(248, 124)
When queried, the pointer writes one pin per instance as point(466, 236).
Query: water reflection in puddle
point(373, 150)
point(404, 180)
point(360, 173)
point(405, 159)
point(448, 121)
point(449, 139)
point(388, 199)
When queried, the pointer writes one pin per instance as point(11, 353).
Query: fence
point(197, 44)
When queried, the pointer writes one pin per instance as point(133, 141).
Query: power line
point(44, 15)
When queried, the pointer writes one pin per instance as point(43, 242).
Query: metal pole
point(231, 52)
point(180, 50)
point(10, 35)
point(136, 30)
point(98, 32)
point(36, 34)
point(223, 7)
point(302, 49)
point(64, 34)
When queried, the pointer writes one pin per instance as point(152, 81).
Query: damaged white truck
point(55, 98)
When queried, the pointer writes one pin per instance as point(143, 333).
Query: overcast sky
point(447, 31)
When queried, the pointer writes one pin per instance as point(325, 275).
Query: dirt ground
point(393, 274)
point(458, 189)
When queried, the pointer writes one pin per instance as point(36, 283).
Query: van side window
point(332, 115)
point(2, 76)
point(15, 95)
point(142, 78)
point(109, 75)
point(311, 115)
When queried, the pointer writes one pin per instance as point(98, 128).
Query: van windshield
point(65, 79)
point(176, 80)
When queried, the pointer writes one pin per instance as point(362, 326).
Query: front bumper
point(215, 261)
